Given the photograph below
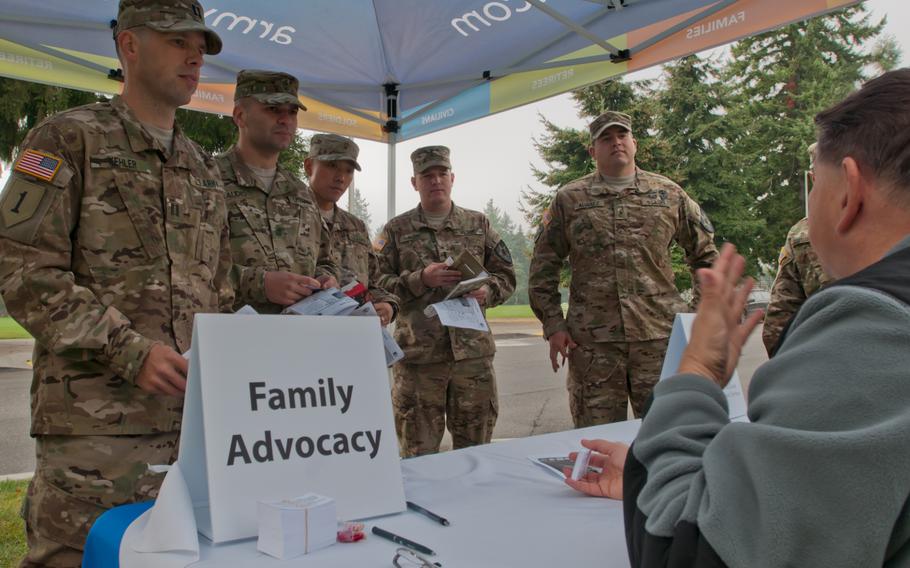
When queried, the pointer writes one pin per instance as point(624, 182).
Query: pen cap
point(581, 464)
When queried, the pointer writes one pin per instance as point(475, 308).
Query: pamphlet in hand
point(328, 302)
point(472, 271)
point(459, 312)
point(393, 352)
point(465, 263)
point(334, 302)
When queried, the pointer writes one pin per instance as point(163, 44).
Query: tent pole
point(390, 205)
point(391, 127)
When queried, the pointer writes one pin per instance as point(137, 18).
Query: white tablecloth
point(504, 511)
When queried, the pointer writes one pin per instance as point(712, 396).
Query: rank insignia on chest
point(38, 164)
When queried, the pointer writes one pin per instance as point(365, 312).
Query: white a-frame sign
point(279, 406)
point(679, 339)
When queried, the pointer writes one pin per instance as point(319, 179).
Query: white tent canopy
point(393, 70)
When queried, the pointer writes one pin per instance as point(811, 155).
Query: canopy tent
point(391, 70)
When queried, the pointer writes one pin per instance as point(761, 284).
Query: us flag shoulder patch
point(38, 164)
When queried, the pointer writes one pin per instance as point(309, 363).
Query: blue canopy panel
point(446, 61)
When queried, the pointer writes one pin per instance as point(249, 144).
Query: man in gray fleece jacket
point(820, 477)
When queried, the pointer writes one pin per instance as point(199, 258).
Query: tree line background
point(731, 130)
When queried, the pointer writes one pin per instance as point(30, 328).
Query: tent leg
point(390, 204)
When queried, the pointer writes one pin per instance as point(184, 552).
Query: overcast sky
point(492, 156)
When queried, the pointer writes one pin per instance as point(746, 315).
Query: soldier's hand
point(480, 294)
point(327, 281)
point(560, 344)
point(438, 275)
point(164, 372)
point(285, 288)
point(385, 311)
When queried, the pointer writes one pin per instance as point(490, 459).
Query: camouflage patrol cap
point(608, 119)
point(429, 156)
point(166, 16)
point(268, 87)
point(811, 150)
point(332, 147)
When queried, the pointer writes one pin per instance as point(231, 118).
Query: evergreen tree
point(780, 80)
point(692, 133)
point(23, 105)
point(519, 246)
point(358, 206)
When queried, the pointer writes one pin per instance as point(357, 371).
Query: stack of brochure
point(457, 310)
point(471, 270)
point(335, 302)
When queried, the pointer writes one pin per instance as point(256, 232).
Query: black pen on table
point(430, 514)
point(402, 541)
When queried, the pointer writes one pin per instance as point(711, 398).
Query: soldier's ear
point(414, 182)
point(591, 152)
point(308, 167)
point(238, 113)
point(127, 43)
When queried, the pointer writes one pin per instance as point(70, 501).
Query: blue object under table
point(102, 547)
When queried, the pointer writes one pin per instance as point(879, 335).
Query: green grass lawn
point(500, 312)
point(9, 329)
point(12, 531)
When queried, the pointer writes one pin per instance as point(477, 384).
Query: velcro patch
point(502, 251)
point(37, 164)
point(547, 217)
point(20, 201)
point(784, 256)
point(380, 242)
point(120, 162)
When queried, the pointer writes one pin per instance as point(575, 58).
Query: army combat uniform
point(622, 298)
point(277, 228)
point(799, 275)
point(446, 377)
point(109, 244)
point(349, 238)
point(353, 253)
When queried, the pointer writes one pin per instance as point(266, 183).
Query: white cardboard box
point(292, 527)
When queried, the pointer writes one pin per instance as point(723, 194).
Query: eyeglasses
point(407, 558)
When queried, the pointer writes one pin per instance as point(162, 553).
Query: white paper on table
point(164, 536)
point(679, 339)
point(460, 312)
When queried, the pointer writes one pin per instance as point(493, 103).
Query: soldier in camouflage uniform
point(330, 168)
point(446, 377)
point(799, 275)
point(616, 226)
point(113, 236)
point(280, 245)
